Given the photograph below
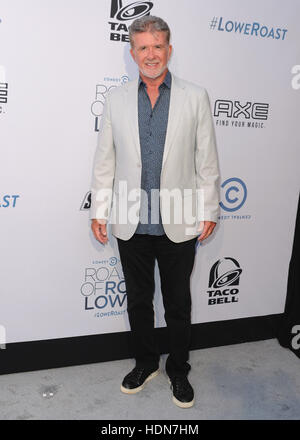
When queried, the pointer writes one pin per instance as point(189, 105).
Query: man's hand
point(99, 230)
point(208, 227)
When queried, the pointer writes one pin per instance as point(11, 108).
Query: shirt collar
point(167, 81)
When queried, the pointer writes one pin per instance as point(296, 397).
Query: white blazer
point(189, 162)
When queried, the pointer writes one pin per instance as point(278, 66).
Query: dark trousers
point(175, 262)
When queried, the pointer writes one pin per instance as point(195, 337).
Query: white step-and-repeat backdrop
point(58, 59)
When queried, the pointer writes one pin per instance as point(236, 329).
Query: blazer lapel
point(131, 104)
point(177, 99)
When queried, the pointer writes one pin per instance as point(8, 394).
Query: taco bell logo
point(123, 14)
point(224, 273)
point(131, 11)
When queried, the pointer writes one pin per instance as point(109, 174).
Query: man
point(156, 141)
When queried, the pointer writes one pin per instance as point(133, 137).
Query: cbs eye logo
point(234, 194)
point(131, 11)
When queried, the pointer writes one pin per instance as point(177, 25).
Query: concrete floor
point(256, 380)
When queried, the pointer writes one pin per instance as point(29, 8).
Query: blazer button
point(139, 165)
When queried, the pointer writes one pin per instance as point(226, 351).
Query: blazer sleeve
point(206, 162)
point(104, 168)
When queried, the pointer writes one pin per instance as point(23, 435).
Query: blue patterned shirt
point(152, 130)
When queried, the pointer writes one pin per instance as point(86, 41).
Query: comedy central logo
point(121, 14)
point(233, 197)
point(240, 114)
point(224, 273)
point(235, 194)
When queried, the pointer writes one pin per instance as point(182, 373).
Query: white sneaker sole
point(181, 404)
point(136, 390)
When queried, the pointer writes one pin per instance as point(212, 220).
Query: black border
point(55, 353)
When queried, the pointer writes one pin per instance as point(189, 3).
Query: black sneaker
point(136, 379)
point(183, 393)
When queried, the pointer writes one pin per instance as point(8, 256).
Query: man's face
point(151, 52)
